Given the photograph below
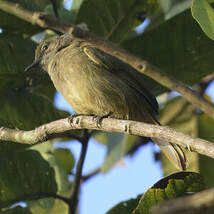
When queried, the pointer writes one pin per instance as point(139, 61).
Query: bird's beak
point(34, 64)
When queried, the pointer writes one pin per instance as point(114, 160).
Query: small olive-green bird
point(94, 82)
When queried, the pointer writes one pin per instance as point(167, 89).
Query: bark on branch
point(58, 127)
point(47, 21)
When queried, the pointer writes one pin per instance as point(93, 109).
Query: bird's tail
point(174, 153)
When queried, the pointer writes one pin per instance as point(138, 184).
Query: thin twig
point(197, 203)
point(90, 175)
point(204, 83)
point(43, 132)
point(78, 176)
point(46, 21)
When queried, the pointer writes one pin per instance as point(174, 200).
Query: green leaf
point(64, 159)
point(27, 111)
point(15, 54)
point(62, 165)
point(168, 9)
point(204, 15)
point(117, 147)
point(205, 126)
point(111, 19)
point(125, 207)
point(173, 186)
point(178, 47)
point(40, 172)
point(172, 8)
point(17, 210)
point(25, 175)
point(178, 113)
point(44, 206)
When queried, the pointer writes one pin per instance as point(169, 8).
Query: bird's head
point(48, 48)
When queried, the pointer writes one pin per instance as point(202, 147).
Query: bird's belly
point(89, 96)
point(92, 90)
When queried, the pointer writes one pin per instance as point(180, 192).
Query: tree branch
point(46, 131)
point(90, 175)
point(54, 4)
point(195, 204)
point(78, 176)
point(47, 21)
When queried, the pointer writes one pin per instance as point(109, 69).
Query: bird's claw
point(71, 118)
point(100, 118)
point(188, 147)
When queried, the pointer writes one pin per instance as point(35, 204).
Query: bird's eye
point(44, 47)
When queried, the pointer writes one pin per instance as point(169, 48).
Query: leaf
point(40, 172)
point(172, 8)
point(118, 145)
point(125, 207)
point(173, 186)
point(62, 161)
point(17, 210)
point(15, 54)
point(114, 153)
point(203, 13)
point(63, 14)
point(178, 47)
point(111, 19)
point(168, 9)
point(205, 126)
point(33, 177)
point(27, 111)
point(44, 206)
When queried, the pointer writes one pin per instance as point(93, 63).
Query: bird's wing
point(134, 80)
point(130, 76)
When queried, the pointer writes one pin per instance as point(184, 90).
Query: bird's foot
point(71, 118)
point(100, 118)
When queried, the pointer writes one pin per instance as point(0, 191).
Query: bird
point(96, 83)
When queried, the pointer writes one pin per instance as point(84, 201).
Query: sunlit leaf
point(49, 205)
point(173, 186)
point(17, 210)
point(204, 15)
point(117, 147)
